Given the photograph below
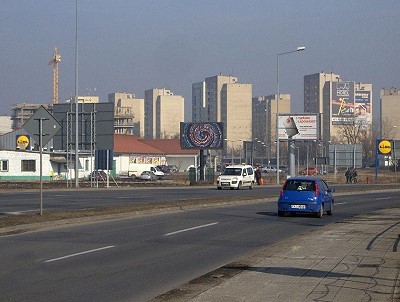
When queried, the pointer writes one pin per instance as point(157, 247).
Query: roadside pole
point(41, 161)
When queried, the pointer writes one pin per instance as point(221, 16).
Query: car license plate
point(225, 184)
point(298, 206)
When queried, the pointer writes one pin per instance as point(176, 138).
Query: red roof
point(132, 144)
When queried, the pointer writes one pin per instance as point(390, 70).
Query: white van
point(135, 170)
point(236, 176)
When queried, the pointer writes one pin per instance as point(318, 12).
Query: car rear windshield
point(233, 171)
point(300, 185)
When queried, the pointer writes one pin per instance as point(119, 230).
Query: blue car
point(304, 194)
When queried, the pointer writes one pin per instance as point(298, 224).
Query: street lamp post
point(300, 48)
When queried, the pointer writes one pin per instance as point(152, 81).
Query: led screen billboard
point(201, 136)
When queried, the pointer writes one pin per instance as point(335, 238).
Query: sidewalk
point(355, 260)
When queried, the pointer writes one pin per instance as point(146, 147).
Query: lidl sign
point(23, 142)
point(384, 146)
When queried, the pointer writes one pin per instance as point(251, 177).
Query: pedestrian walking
point(257, 174)
point(355, 174)
point(348, 176)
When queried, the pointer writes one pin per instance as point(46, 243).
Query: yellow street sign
point(385, 147)
point(22, 142)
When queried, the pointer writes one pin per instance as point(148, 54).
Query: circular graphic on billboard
point(202, 136)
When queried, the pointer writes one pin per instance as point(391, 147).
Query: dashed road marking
point(79, 254)
point(191, 229)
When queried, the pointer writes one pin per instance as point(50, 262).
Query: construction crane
point(54, 61)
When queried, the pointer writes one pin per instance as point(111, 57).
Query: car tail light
point(316, 189)
point(283, 187)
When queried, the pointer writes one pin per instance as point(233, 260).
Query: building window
point(4, 165)
point(28, 166)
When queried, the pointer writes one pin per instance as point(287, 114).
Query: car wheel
point(281, 213)
point(330, 210)
point(251, 186)
point(320, 212)
point(239, 185)
point(219, 188)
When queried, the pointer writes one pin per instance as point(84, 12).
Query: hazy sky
point(132, 46)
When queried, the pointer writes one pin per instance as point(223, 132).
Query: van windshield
point(233, 171)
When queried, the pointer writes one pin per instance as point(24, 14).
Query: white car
point(270, 169)
point(148, 175)
point(236, 177)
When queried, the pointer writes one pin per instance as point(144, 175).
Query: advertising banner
point(343, 103)
point(154, 160)
point(299, 126)
point(362, 108)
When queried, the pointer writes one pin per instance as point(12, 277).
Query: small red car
point(311, 171)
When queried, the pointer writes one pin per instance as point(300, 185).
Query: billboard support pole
point(292, 157)
point(334, 162)
point(376, 160)
point(202, 164)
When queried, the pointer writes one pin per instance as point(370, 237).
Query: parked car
point(148, 175)
point(173, 168)
point(268, 169)
point(191, 167)
point(272, 169)
point(310, 171)
point(302, 194)
point(164, 168)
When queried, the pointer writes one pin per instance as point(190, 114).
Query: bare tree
point(367, 139)
point(349, 134)
point(357, 134)
point(388, 128)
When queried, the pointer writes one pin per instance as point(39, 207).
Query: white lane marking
point(383, 198)
point(81, 253)
point(336, 203)
point(191, 229)
point(20, 212)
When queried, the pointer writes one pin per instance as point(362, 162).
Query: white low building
point(24, 165)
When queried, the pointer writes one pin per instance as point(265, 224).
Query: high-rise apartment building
point(20, 113)
point(390, 112)
point(5, 124)
point(206, 98)
point(169, 114)
point(318, 89)
point(264, 122)
point(163, 113)
point(222, 99)
point(236, 113)
point(341, 103)
point(128, 113)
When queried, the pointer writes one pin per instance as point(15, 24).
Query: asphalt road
point(139, 258)
point(27, 201)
